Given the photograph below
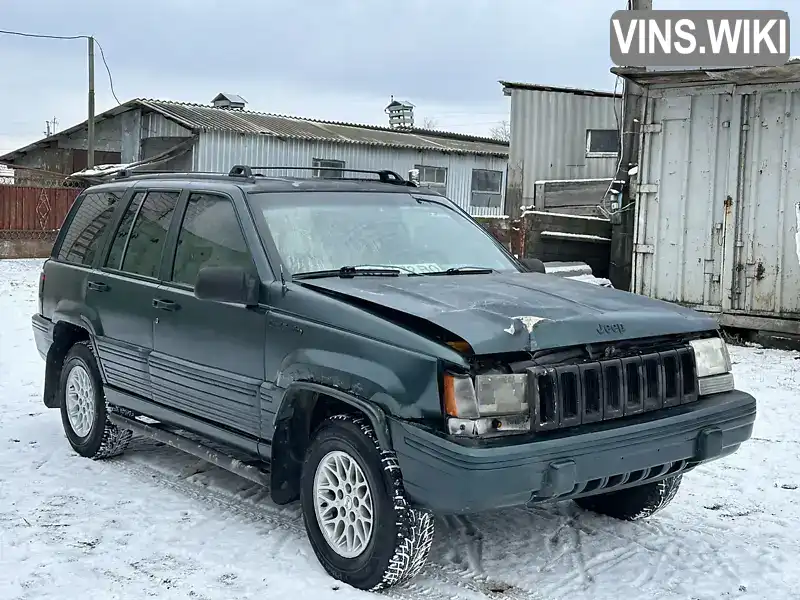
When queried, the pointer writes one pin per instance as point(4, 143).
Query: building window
point(433, 177)
point(602, 143)
point(321, 164)
point(486, 188)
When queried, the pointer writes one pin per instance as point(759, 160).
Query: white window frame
point(432, 184)
point(320, 164)
point(499, 191)
point(591, 154)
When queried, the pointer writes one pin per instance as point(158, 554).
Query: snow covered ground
point(156, 523)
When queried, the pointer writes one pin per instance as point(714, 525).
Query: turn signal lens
point(459, 397)
point(460, 346)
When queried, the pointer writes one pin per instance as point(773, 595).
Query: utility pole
point(90, 122)
point(622, 223)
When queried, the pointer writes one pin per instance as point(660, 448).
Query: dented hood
point(520, 311)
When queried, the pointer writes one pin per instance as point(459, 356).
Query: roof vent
point(401, 114)
point(229, 102)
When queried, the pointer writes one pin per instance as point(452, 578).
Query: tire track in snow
point(656, 537)
point(427, 585)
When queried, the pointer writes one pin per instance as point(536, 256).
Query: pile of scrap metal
point(103, 173)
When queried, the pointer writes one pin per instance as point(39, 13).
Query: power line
point(105, 64)
point(42, 35)
point(70, 37)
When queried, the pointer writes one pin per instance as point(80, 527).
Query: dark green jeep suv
point(362, 345)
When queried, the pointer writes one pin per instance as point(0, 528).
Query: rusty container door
point(683, 198)
point(765, 254)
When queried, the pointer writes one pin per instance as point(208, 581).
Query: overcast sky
point(327, 59)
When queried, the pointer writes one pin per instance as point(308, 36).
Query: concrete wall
point(35, 245)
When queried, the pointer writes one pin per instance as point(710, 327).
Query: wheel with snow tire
point(356, 514)
point(633, 504)
point(83, 407)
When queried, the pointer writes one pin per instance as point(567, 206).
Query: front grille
point(570, 395)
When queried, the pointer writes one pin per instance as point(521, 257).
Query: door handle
point(165, 304)
point(97, 286)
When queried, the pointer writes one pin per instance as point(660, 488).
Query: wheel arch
point(304, 406)
point(65, 335)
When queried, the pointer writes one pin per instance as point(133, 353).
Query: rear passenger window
point(114, 259)
point(140, 239)
point(85, 231)
point(210, 235)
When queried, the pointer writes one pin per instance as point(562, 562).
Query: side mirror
point(227, 284)
point(533, 265)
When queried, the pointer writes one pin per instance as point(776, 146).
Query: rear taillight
point(41, 292)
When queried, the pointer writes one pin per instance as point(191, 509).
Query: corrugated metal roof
point(202, 117)
point(511, 85)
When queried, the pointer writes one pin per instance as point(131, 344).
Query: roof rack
point(128, 173)
point(384, 175)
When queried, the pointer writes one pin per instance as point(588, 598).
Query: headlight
point(495, 403)
point(713, 365)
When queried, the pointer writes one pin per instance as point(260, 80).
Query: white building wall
point(219, 151)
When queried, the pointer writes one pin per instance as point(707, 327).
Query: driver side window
point(210, 236)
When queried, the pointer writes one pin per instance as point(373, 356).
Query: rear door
point(208, 358)
point(121, 292)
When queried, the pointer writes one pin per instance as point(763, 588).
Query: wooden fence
point(24, 208)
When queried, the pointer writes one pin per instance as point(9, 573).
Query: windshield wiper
point(349, 271)
point(466, 270)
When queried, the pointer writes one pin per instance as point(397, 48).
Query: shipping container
point(718, 194)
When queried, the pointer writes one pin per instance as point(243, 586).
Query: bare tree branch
point(501, 131)
point(429, 123)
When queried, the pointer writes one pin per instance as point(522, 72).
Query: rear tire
point(84, 413)
point(633, 504)
point(390, 540)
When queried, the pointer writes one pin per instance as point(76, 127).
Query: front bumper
point(450, 477)
point(42, 334)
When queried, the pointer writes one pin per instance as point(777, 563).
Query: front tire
point(83, 407)
point(356, 515)
point(636, 503)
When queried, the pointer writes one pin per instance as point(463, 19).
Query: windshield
point(330, 230)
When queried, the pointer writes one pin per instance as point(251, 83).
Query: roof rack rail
point(125, 173)
point(384, 175)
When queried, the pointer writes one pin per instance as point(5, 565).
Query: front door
point(121, 292)
point(208, 357)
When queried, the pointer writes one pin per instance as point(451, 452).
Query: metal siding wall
point(218, 151)
point(548, 136)
point(155, 125)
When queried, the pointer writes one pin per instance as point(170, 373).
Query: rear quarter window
point(84, 233)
